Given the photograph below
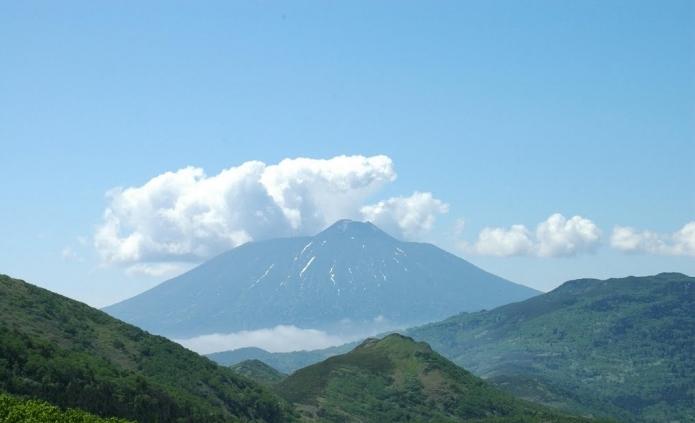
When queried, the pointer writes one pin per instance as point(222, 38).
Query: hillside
point(71, 355)
point(347, 277)
point(396, 379)
point(258, 371)
point(620, 347)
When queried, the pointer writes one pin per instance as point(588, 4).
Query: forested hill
point(396, 379)
point(622, 347)
point(71, 355)
point(258, 371)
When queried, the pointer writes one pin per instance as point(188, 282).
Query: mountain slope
point(621, 347)
point(396, 379)
point(351, 272)
point(71, 355)
point(258, 371)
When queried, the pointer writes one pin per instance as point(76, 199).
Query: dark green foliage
point(71, 355)
point(16, 410)
point(397, 380)
point(621, 347)
point(258, 371)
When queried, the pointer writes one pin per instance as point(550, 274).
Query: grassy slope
point(72, 355)
point(258, 371)
point(621, 347)
point(397, 379)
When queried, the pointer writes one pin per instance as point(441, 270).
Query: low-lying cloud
point(282, 338)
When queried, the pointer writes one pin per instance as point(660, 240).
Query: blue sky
point(506, 111)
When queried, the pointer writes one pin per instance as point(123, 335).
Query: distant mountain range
point(396, 379)
point(622, 348)
point(285, 362)
point(351, 274)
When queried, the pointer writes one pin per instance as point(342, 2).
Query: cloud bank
point(282, 338)
point(678, 243)
point(180, 218)
point(556, 236)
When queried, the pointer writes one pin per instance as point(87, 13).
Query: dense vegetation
point(619, 347)
point(258, 371)
point(397, 380)
point(64, 352)
point(16, 410)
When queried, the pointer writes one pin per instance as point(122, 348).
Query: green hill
point(620, 347)
point(71, 355)
point(396, 380)
point(16, 410)
point(258, 371)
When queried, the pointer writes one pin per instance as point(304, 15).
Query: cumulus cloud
point(504, 242)
point(557, 236)
point(409, 217)
point(187, 216)
point(282, 338)
point(679, 243)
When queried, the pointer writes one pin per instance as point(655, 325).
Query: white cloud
point(282, 338)
point(187, 216)
point(557, 236)
point(504, 242)
point(679, 243)
point(409, 217)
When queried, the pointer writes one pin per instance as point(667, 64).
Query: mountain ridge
point(619, 347)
